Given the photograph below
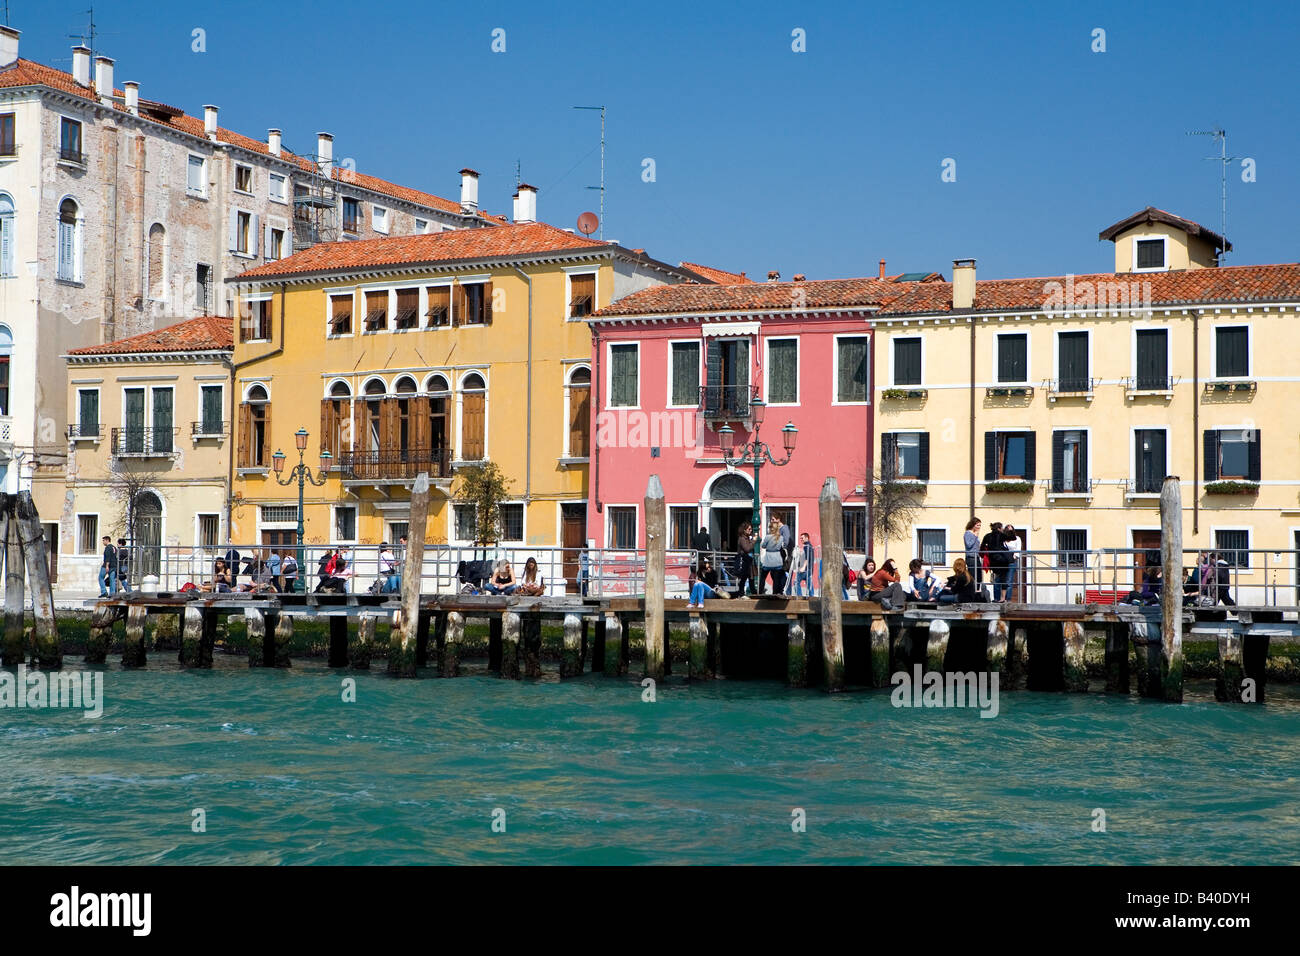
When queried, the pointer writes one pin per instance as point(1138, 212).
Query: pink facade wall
point(834, 439)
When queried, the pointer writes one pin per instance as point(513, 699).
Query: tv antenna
point(1223, 159)
point(601, 187)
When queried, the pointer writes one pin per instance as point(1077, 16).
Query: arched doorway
point(730, 500)
point(148, 534)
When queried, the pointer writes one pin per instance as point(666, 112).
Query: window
point(1233, 547)
point(1152, 360)
point(1232, 454)
point(278, 187)
point(1232, 351)
point(623, 384)
point(466, 524)
point(1070, 461)
point(473, 418)
point(156, 282)
point(6, 235)
point(345, 523)
point(1150, 253)
point(8, 146)
point(684, 391)
point(851, 377)
point(931, 545)
point(397, 530)
point(474, 303)
point(439, 314)
point(1071, 547)
point(580, 412)
point(70, 140)
point(681, 528)
point(254, 449)
point(512, 522)
point(1149, 467)
point(782, 371)
point(336, 420)
point(209, 531)
point(855, 528)
point(243, 231)
point(376, 311)
point(69, 241)
point(1072, 362)
point(87, 534)
point(275, 244)
point(1013, 358)
point(408, 309)
point(379, 218)
point(87, 413)
point(1009, 456)
point(6, 348)
point(196, 176)
point(210, 409)
point(341, 314)
point(243, 179)
point(905, 455)
point(421, 226)
point(907, 361)
point(133, 422)
point(255, 323)
point(351, 215)
point(279, 514)
point(203, 288)
point(622, 527)
point(582, 295)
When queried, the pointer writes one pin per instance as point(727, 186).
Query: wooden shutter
point(1031, 455)
point(245, 429)
point(713, 375)
point(1058, 461)
point(990, 456)
point(459, 305)
point(888, 456)
point(925, 456)
point(579, 422)
point(472, 415)
point(1253, 453)
point(1083, 462)
point(234, 229)
point(266, 434)
point(420, 430)
point(389, 426)
point(359, 425)
point(487, 303)
point(439, 314)
point(1211, 449)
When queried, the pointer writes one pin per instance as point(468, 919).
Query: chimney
point(325, 152)
point(8, 46)
point(963, 283)
point(469, 191)
point(773, 276)
point(132, 90)
point(798, 277)
point(526, 205)
point(210, 122)
point(81, 64)
point(104, 79)
point(273, 142)
point(882, 268)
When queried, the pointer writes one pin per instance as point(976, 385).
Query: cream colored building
point(1059, 405)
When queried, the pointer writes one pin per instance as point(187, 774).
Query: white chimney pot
point(104, 79)
point(81, 64)
point(210, 122)
point(526, 210)
point(325, 152)
point(8, 46)
point(468, 191)
point(963, 283)
point(273, 142)
point(132, 90)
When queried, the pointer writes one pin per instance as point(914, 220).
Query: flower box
point(902, 393)
point(1231, 488)
point(1009, 487)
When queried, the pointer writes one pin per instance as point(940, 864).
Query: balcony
point(1060, 388)
point(394, 465)
point(727, 403)
point(1149, 386)
point(209, 430)
point(144, 442)
point(85, 431)
point(1145, 487)
point(1072, 490)
point(68, 154)
point(6, 438)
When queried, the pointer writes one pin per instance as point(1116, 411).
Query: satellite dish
point(588, 223)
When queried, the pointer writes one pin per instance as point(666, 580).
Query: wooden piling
point(338, 641)
point(37, 560)
point(879, 652)
point(362, 646)
point(615, 662)
point(508, 654)
point(1228, 682)
point(831, 514)
point(255, 628)
point(700, 669)
point(995, 650)
point(1147, 654)
point(1171, 596)
point(598, 646)
point(494, 642)
point(422, 631)
point(14, 652)
point(449, 664)
point(133, 654)
point(1074, 667)
point(101, 633)
point(1117, 654)
point(283, 639)
point(571, 661)
point(192, 644)
point(796, 652)
point(530, 640)
point(936, 645)
point(404, 637)
point(1019, 653)
point(655, 544)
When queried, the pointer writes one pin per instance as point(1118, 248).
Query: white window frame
point(202, 191)
point(343, 202)
point(798, 370)
point(523, 535)
point(699, 371)
point(250, 299)
point(1132, 455)
point(997, 353)
point(452, 532)
point(1164, 240)
point(381, 219)
point(97, 544)
point(1087, 477)
point(835, 367)
point(421, 227)
point(330, 293)
point(234, 187)
point(636, 525)
point(903, 572)
point(482, 280)
point(283, 196)
point(250, 250)
point(609, 375)
point(423, 325)
point(334, 524)
point(358, 326)
point(893, 382)
point(569, 456)
point(569, 273)
point(1133, 348)
point(8, 225)
point(198, 524)
point(1214, 351)
point(1250, 543)
point(918, 432)
point(1056, 544)
point(78, 240)
point(1238, 431)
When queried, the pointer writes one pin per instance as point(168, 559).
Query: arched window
point(335, 420)
point(374, 413)
point(156, 283)
point(69, 266)
point(6, 348)
point(148, 533)
point(437, 384)
point(404, 384)
point(473, 418)
point(6, 235)
point(579, 404)
point(255, 429)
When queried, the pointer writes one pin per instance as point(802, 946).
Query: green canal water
point(587, 772)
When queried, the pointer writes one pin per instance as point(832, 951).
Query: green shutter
point(686, 373)
point(623, 375)
point(851, 384)
point(783, 371)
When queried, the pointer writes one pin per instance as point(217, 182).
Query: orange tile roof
point(716, 275)
point(207, 333)
point(754, 297)
point(1152, 214)
point(456, 245)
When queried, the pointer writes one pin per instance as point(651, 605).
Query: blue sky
point(819, 162)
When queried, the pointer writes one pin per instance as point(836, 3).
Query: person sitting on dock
point(702, 591)
point(864, 576)
point(503, 579)
point(960, 588)
point(533, 584)
point(387, 582)
point(327, 573)
point(884, 587)
point(922, 584)
point(220, 582)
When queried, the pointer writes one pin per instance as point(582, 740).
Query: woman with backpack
point(772, 559)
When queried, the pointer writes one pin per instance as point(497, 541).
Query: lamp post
point(303, 474)
point(755, 452)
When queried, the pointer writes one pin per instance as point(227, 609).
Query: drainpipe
point(972, 416)
point(528, 414)
point(596, 377)
point(1196, 422)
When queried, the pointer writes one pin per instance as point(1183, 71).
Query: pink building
point(671, 365)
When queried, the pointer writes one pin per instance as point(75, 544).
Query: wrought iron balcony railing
point(144, 442)
point(394, 464)
point(85, 430)
point(729, 402)
point(209, 429)
point(70, 155)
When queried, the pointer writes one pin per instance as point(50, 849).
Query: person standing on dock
point(232, 564)
point(970, 542)
point(745, 560)
point(108, 569)
point(124, 565)
point(802, 566)
point(703, 545)
point(771, 562)
point(289, 571)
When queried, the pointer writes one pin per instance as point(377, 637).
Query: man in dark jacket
point(108, 569)
point(994, 549)
point(703, 546)
point(124, 565)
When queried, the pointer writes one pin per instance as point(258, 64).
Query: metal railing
point(394, 463)
point(209, 429)
point(85, 430)
point(1073, 385)
point(727, 401)
point(70, 155)
point(1144, 486)
point(143, 442)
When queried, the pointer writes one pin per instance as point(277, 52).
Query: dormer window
point(1149, 254)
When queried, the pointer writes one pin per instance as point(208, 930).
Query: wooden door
point(573, 538)
point(1144, 542)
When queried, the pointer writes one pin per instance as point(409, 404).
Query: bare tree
point(893, 505)
point(125, 482)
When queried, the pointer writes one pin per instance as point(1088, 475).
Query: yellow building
point(1060, 404)
point(149, 443)
point(425, 353)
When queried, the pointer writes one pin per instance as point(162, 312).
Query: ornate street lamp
point(755, 453)
point(303, 475)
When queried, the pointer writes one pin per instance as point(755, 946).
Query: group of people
point(995, 555)
point(503, 580)
point(115, 570)
point(1206, 584)
point(266, 570)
